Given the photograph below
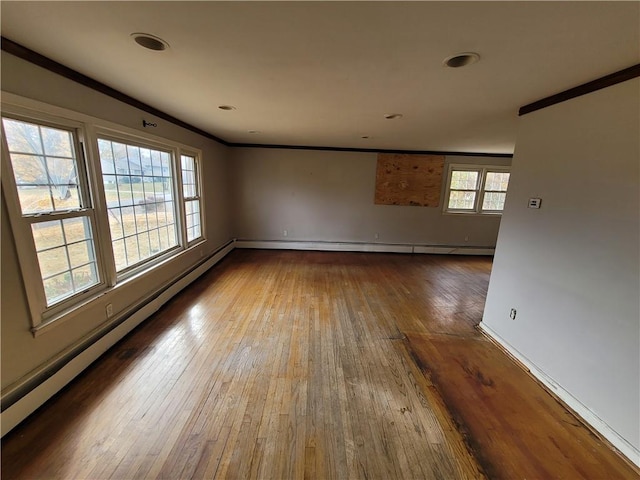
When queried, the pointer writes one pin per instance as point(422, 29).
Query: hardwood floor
point(280, 364)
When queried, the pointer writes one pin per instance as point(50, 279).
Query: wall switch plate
point(109, 310)
point(535, 202)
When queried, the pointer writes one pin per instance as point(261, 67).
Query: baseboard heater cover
point(363, 247)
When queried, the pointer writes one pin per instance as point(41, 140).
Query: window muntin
point(476, 189)
point(191, 194)
point(54, 208)
point(138, 189)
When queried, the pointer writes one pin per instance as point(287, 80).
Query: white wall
point(571, 269)
point(329, 196)
point(22, 354)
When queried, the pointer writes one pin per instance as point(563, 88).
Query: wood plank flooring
point(315, 365)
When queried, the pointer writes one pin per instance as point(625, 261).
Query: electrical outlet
point(285, 233)
point(109, 310)
point(512, 314)
point(376, 235)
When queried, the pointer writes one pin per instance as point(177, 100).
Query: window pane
point(190, 190)
point(115, 223)
point(464, 180)
point(154, 240)
point(128, 221)
point(84, 276)
point(192, 209)
point(29, 169)
point(47, 235)
point(144, 245)
point(156, 165)
point(120, 254)
point(80, 254)
point(167, 237)
point(69, 200)
point(141, 218)
point(48, 181)
point(461, 200)
point(497, 181)
point(76, 229)
point(106, 157)
point(493, 201)
point(57, 142)
point(35, 199)
point(22, 137)
point(139, 201)
point(133, 252)
point(57, 242)
point(189, 176)
point(187, 162)
point(58, 288)
point(53, 261)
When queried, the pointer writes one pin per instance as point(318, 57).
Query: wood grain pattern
point(514, 427)
point(315, 365)
point(409, 179)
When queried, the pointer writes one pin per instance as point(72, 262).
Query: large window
point(84, 224)
point(138, 186)
point(476, 189)
point(51, 194)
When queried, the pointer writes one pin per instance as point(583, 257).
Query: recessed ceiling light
point(392, 116)
point(149, 41)
point(461, 59)
point(226, 107)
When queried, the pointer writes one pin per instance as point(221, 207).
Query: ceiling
point(326, 73)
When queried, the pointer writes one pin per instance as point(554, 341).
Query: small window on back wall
point(476, 189)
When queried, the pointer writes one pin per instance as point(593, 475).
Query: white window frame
point(21, 223)
point(198, 196)
point(143, 142)
point(482, 171)
point(88, 129)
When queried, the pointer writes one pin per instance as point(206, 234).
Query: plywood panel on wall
point(404, 179)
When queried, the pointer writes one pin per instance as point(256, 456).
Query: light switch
point(535, 202)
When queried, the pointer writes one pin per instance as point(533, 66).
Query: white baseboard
point(28, 403)
point(588, 416)
point(454, 250)
point(361, 247)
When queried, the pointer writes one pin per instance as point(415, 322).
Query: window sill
point(474, 214)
